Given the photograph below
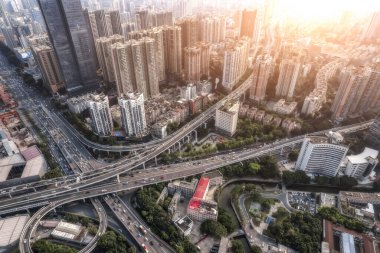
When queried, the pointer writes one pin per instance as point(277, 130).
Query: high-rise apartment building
point(69, 33)
point(212, 29)
point(49, 67)
point(115, 21)
point(226, 118)
point(261, 72)
point(135, 67)
point(155, 33)
point(192, 66)
point(320, 156)
point(133, 114)
point(351, 89)
point(143, 19)
point(248, 19)
point(100, 25)
point(197, 61)
point(288, 78)
point(101, 120)
point(10, 36)
point(235, 62)
point(370, 98)
point(189, 31)
point(372, 31)
point(161, 18)
point(104, 53)
point(173, 49)
point(373, 134)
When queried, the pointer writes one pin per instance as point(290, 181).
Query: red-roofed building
point(31, 152)
point(202, 188)
point(199, 208)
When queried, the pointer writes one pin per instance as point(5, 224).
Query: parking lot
point(303, 201)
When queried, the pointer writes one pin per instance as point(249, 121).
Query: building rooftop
point(34, 167)
point(200, 192)
point(362, 157)
point(213, 174)
point(203, 206)
point(184, 223)
point(31, 153)
point(10, 229)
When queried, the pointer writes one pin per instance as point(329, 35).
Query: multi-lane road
point(149, 176)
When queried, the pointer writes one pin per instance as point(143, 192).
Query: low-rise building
point(281, 107)
point(184, 224)
point(251, 113)
point(276, 121)
point(174, 202)
point(362, 164)
point(243, 111)
point(10, 230)
point(268, 119)
point(187, 189)
point(215, 177)
point(77, 104)
point(259, 116)
point(199, 208)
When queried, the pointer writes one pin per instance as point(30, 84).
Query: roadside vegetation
point(332, 214)
point(159, 220)
point(111, 242)
point(45, 246)
point(300, 231)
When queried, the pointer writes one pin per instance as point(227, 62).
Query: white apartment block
point(319, 156)
point(101, 120)
point(188, 92)
point(360, 165)
point(133, 114)
point(227, 117)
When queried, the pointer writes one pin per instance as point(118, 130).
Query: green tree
point(237, 246)
point(53, 173)
point(254, 168)
point(213, 228)
point(225, 219)
point(293, 155)
point(255, 249)
point(44, 246)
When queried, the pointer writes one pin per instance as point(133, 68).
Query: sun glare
point(325, 10)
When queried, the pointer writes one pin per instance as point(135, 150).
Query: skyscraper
point(133, 114)
point(103, 49)
point(235, 62)
point(189, 30)
point(372, 31)
point(197, 61)
point(71, 40)
point(101, 120)
point(135, 67)
point(288, 77)
point(49, 67)
point(155, 33)
point(370, 98)
point(351, 89)
point(248, 19)
point(213, 29)
point(115, 22)
point(261, 72)
point(192, 59)
point(173, 49)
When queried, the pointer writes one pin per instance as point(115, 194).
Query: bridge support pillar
point(293, 145)
point(144, 165)
point(155, 160)
point(118, 178)
point(205, 125)
point(282, 151)
point(179, 146)
point(27, 210)
point(34, 189)
point(10, 196)
point(188, 139)
point(169, 150)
